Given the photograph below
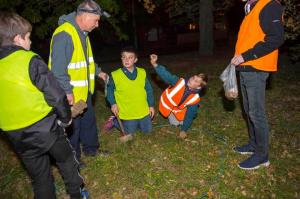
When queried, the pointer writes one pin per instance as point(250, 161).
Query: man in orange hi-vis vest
point(256, 54)
point(180, 102)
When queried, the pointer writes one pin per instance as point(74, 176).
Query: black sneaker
point(254, 162)
point(245, 149)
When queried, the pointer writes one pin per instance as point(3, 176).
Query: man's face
point(90, 21)
point(128, 59)
point(194, 82)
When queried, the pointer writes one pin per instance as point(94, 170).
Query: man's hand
point(114, 109)
point(237, 60)
point(71, 99)
point(153, 60)
point(78, 108)
point(103, 76)
point(152, 112)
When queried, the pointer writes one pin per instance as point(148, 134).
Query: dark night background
point(166, 29)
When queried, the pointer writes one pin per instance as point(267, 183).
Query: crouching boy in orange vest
point(180, 101)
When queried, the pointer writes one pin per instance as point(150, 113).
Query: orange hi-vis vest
point(171, 97)
point(250, 34)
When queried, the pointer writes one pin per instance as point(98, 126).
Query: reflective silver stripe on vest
point(92, 76)
point(177, 88)
point(195, 98)
point(166, 106)
point(82, 64)
point(77, 65)
point(174, 92)
point(79, 83)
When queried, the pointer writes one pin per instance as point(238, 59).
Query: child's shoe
point(84, 193)
point(108, 125)
point(126, 138)
point(183, 135)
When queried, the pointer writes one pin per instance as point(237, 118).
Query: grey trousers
point(173, 120)
point(253, 85)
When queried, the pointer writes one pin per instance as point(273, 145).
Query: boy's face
point(23, 42)
point(128, 59)
point(194, 82)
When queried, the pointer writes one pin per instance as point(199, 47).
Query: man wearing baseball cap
point(72, 62)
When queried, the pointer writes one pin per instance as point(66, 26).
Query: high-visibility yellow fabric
point(81, 70)
point(130, 95)
point(21, 103)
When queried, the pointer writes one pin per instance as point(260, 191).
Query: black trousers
point(38, 165)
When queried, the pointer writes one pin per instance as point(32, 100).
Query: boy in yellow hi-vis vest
point(130, 95)
point(34, 111)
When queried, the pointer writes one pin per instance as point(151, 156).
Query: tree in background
point(198, 10)
point(205, 8)
point(44, 14)
point(292, 27)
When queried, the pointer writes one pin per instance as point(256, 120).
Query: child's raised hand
point(153, 60)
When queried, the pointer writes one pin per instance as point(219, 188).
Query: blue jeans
point(84, 131)
point(131, 126)
point(253, 86)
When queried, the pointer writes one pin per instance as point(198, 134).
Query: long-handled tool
point(124, 137)
point(106, 81)
point(121, 126)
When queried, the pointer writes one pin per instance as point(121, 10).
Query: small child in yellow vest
point(34, 111)
point(130, 95)
point(180, 101)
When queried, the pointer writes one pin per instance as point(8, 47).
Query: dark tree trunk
point(206, 20)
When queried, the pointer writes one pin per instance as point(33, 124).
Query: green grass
point(162, 166)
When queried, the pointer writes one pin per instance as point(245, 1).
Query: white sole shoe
point(265, 164)
point(243, 153)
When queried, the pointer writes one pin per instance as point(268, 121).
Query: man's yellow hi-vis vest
point(81, 74)
point(130, 95)
point(21, 103)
